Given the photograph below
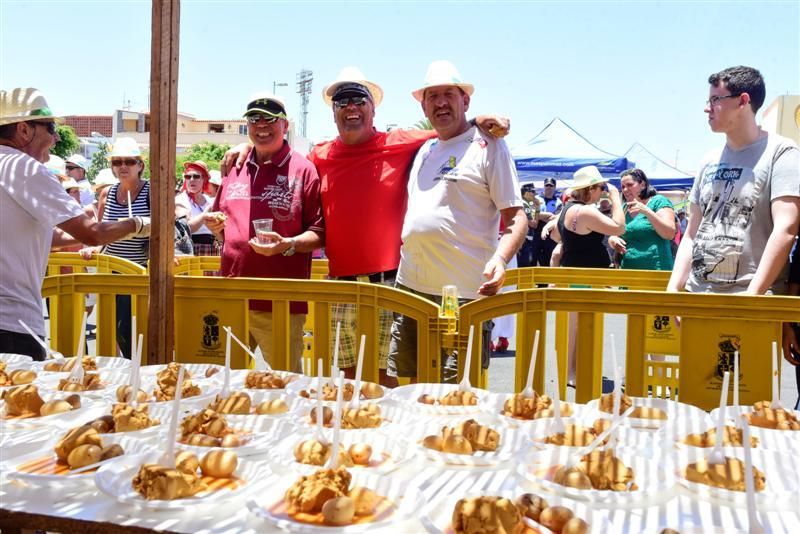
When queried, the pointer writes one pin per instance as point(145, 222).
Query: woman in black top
point(581, 228)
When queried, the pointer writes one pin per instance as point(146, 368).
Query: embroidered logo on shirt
point(448, 171)
point(237, 191)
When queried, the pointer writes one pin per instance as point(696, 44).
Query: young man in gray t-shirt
point(744, 207)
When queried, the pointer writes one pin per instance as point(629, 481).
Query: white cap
point(56, 165)
point(215, 177)
point(80, 161)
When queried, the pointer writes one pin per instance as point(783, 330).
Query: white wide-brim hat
point(69, 183)
point(125, 147)
point(442, 72)
point(586, 177)
point(56, 165)
point(23, 104)
point(104, 178)
point(352, 75)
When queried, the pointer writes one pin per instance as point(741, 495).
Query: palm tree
point(423, 124)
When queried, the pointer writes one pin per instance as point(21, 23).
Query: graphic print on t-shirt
point(727, 200)
point(281, 196)
point(447, 171)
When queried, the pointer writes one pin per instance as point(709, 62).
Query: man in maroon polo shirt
point(275, 183)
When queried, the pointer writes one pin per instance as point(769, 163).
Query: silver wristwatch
point(289, 251)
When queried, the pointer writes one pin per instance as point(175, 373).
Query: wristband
point(501, 259)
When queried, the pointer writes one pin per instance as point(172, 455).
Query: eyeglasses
point(51, 126)
point(344, 102)
point(128, 162)
point(192, 176)
point(256, 117)
point(714, 100)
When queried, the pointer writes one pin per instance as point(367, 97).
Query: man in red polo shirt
point(274, 183)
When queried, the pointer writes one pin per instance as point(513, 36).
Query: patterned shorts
point(348, 343)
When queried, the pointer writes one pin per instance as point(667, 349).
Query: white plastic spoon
point(226, 383)
point(749, 486)
point(776, 388)
point(528, 391)
point(130, 207)
point(169, 456)
point(134, 346)
point(77, 374)
point(81, 352)
point(617, 393)
point(333, 461)
point(134, 379)
point(50, 352)
point(575, 457)
point(736, 382)
point(464, 384)
point(260, 363)
point(320, 435)
point(335, 367)
point(356, 400)
point(716, 456)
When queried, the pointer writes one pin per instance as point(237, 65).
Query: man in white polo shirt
point(461, 186)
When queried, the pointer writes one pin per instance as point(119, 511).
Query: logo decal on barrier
point(210, 339)
point(728, 345)
point(662, 324)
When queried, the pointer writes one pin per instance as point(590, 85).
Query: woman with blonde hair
point(581, 227)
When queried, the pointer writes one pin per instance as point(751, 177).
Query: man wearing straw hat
point(744, 207)
point(32, 204)
point(281, 185)
point(461, 186)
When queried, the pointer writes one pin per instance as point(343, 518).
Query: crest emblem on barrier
point(727, 347)
point(662, 324)
point(210, 339)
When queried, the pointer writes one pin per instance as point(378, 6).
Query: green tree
point(209, 153)
point(423, 124)
point(99, 161)
point(68, 143)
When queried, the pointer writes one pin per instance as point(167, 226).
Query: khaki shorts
point(261, 330)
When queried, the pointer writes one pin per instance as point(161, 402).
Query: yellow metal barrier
point(67, 333)
point(651, 334)
point(199, 317)
point(714, 326)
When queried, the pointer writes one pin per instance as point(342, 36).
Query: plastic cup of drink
point(449, 301)
point(263, 227)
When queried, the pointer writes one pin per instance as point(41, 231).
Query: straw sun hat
point(350, 75)
point(23, 104)
point(125, 147)
point(439, 73)
point(586, 177)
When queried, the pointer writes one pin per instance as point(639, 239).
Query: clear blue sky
point(618, 72)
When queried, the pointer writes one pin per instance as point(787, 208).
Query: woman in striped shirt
point(130, 195)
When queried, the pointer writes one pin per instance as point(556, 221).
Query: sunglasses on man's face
point(51, 126)
point(255, 118)
point(344, 102)
point(128, 162)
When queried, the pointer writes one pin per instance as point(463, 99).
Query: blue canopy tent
point(558, 151)
point(662, 176)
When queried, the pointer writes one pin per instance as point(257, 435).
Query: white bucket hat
point(352, 75)
point(69, 183)
point(80, 161)
point(125, 147)
point(215, 177)
point(56, 165)
point(104, 178)
point(586, 177)
point(23, 104)
point(439, 73)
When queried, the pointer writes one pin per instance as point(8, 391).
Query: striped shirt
point(136, 249)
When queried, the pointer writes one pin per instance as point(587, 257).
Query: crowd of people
point(414, 209)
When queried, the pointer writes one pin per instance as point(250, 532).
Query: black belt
point(375, 278)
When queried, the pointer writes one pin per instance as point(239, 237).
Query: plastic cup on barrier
point(263, 227)
point(449, 305)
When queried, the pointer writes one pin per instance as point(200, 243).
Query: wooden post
point(163, 126)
